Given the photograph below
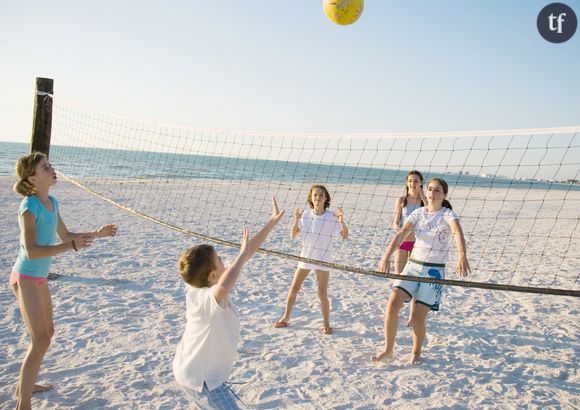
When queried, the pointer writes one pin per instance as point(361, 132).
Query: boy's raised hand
point(245, 237)
point(249, 245)
point(276, 213)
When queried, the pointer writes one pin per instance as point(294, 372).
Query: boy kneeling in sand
point(205, 356)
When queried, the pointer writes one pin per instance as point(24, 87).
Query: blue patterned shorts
point(428, 294)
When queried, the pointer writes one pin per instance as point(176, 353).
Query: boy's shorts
point(222, 398)
point(428, 294)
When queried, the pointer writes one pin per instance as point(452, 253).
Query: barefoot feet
point(415, 359)
point(384, 356)
point(38, 388)
point(326, 330)
point(281, 323)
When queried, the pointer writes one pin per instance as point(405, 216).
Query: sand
point(119, 313)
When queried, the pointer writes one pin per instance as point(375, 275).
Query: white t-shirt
point(209, 343)
point(316, 232)
point(433, 234)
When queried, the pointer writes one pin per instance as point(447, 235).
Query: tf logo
point(557, 23)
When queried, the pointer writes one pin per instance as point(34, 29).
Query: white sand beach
point(119, 313)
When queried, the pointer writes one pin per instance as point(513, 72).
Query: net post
point(42, 120)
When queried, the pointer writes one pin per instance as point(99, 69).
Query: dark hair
point(445, 186)
point(413, 172)
point(326, 194)
point(195, 264)
point(25, 168)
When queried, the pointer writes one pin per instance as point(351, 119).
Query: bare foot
point(327, 330)
point(38, 388)
point(281, 323)
point(415, 358)
point(384, 356)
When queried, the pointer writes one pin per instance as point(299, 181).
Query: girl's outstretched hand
point(298, 213)
point(339, 215)
point(107, 230)
point(83, 240)
point(276, 213)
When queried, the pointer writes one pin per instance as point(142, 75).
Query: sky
point(279, 66)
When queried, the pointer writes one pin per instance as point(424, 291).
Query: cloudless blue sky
point(271, 65)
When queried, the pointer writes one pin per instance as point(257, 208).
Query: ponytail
point(25, 168)
point(447, 204)
point(405, 196)
point(24, 188)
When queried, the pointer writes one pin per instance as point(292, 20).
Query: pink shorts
point(15, 277)
point(407, 246)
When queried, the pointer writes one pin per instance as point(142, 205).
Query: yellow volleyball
point(343, 12)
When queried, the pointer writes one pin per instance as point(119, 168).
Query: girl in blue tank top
point(40, 223)
point(414, 198)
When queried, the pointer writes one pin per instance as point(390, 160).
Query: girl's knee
point(42, 341)
point(294, 289)
point(292, 294)
point(418, 317)
point(395, 303)
point(393, 309)
point(415, 321)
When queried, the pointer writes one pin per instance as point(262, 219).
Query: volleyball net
point(517, 192)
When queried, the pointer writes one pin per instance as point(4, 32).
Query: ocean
point(80, 162)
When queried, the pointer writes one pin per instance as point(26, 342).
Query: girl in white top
point(316, 227)
point(204, 358)
point(434, 226)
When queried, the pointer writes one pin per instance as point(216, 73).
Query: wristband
point(74, 246)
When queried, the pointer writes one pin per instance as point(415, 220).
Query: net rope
point(516, 192)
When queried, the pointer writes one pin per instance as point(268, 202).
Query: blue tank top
point(406, 211)
point(46, 224)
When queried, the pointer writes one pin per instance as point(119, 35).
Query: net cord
point(372, 135)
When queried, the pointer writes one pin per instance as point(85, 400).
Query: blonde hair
point(25, 168)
